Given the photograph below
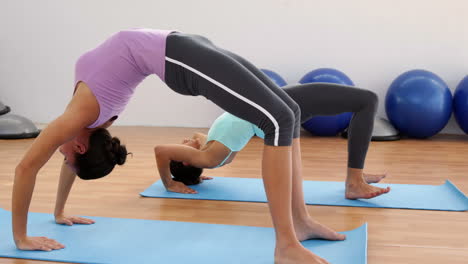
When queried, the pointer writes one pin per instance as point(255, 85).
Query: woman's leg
point(273, 87)
point(331, 99)
point(194, 66)
point(305, 227)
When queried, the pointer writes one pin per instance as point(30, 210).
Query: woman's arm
point(82, 111)
point(57, 133)
point(165, 153)
point(67, 177)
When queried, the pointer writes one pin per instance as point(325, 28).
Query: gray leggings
point(331, 99)
point(195, 66)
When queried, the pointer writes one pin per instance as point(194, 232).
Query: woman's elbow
point(21, 169)
point(158, 149)
point(160, 152)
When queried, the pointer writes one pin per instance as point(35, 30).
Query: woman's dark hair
point(103, 153)
point(188, 175)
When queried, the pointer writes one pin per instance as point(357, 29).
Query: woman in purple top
point(106, 78)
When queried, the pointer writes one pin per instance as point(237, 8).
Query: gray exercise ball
point(383, 131)
point(17, 127)
point(4, 109)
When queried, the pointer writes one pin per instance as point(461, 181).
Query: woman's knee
point(296, 110)
point(280, 130)
point(372, 100)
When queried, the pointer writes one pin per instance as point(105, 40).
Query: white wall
point(372, 41)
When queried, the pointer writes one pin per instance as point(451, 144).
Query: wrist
point(170, 182)
point(19, 238)
point(58, 213)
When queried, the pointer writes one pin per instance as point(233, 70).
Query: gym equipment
point(4, 109)
point(460, 104)
point(418, 103)
point(17, 127)
point(444, 197)
point(383, 131)
point(275, 77)
point(124, 241)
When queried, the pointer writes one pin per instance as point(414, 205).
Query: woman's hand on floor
point(179, 187)
point(38, 243)
point(70, 220)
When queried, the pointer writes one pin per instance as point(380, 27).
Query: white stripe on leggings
point(263, 110)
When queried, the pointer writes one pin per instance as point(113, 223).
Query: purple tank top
point(117, 66)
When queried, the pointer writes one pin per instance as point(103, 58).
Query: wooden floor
point(395, 236)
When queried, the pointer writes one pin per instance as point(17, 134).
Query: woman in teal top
point(233, 132)
point(229, 134)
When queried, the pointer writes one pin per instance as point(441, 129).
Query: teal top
point(232, 132)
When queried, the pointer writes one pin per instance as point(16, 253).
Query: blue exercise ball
point(418, 103)
point(276, 78)
point(460, 104)
point(327, 125)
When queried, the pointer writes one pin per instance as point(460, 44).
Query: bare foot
point(311, 229)
point(296, 254)
point(374, 178)
point(362, 190)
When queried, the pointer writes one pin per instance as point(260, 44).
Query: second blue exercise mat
point(127, 241)
point(444, 197)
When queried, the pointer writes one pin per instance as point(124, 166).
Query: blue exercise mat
point(116, 240)
point(444, 197)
